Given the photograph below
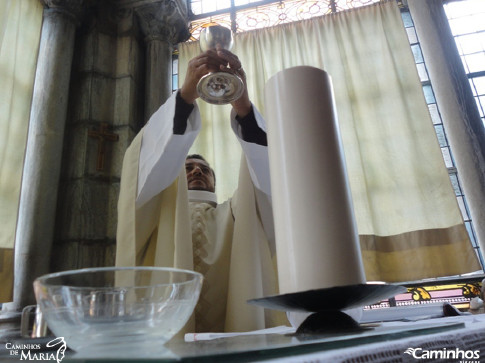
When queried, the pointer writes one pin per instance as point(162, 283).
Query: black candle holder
point(327, 305)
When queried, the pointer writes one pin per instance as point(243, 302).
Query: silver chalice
point(218, 88)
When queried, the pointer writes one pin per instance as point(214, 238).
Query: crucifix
point(102, 135)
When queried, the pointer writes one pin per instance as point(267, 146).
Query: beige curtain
point(20, 24)
point(407, 215)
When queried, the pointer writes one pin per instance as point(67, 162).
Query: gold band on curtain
point(414, 255)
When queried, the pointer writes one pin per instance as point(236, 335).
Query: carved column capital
point(72, 9)
point(165, 20)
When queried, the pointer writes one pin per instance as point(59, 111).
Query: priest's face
point(199, 175)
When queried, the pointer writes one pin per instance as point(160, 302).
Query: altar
point(446, 339)
point(392, 341)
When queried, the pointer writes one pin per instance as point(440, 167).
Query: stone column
point(164, 23)
point(37, 211)
point(454, 97)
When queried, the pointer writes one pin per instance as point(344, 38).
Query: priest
point(165, 221)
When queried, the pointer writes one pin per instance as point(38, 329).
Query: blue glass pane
point(440, 132)
point(455, 183)
point(428, 94)
point(418, 56)
point(406, 18)
point(175, 81)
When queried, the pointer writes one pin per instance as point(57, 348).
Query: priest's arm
point(171, 131)
point(164, 147)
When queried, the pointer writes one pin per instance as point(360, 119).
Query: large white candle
point(316, 236)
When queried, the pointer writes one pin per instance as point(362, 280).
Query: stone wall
point(107, 86)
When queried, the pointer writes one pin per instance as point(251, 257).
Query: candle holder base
point(327, 304)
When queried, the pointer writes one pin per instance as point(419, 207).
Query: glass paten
point(132, 310)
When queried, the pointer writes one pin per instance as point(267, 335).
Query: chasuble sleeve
point(163, 152)
point(256, 155)
point(152, 176)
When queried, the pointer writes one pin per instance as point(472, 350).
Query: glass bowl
point(123, 310)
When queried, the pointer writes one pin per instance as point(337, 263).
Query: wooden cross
point(102, 134)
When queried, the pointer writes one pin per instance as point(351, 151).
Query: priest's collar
point(202, 196)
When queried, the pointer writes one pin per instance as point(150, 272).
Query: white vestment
point(226, 243)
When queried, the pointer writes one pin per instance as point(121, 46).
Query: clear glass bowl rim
point(43, 280)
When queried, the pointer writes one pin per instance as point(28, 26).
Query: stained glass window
point(246, 15)
point(457, 294)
